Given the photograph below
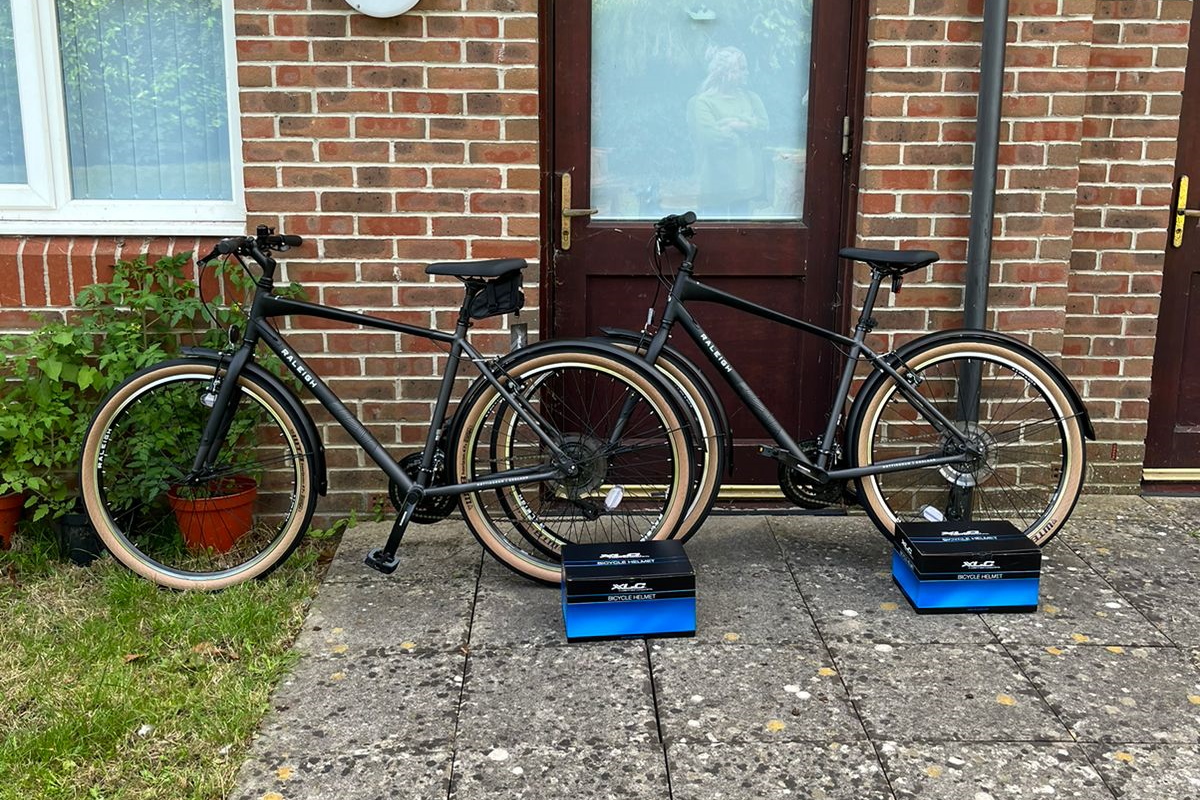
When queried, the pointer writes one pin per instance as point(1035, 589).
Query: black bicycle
point(554, 443)
point(956, 425)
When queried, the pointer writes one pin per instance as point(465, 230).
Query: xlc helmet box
point(627, 590)
point(980, 567)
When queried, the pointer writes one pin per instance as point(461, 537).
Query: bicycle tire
point(1033, 460)
point(133, 466)
point(525, 526)
point(712, 459)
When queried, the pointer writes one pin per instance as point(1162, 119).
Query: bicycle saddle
point(891, 262)
point(492, 268)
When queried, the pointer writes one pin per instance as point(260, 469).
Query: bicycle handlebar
point(264, 241)
point(675, 230)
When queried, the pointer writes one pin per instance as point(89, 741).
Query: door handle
point(566, 213)
point(1182, 212)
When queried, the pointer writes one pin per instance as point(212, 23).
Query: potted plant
point(214, 515)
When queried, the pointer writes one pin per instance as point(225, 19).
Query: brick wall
point(1090, 115)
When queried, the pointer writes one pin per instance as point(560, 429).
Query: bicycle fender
point(694, 373)
point(308, 429)
point(940, 337)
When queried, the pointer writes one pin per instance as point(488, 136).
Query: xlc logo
point(712, 348)
point(962, 533)
point(979, 565)
point(629, 587)
point(907, 547)
point(622, 555)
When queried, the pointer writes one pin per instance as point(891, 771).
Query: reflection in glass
point(145, 93)
point(700, 105)
point(12, 142)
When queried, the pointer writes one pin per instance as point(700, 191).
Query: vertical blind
point(145, 99)
point(12, 144)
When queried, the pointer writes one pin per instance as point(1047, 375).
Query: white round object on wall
point(382, 8)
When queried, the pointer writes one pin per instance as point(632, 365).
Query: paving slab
point(747, 693)
point(443, 552)
point(337, 704)
point(569, 769)
point(510, 610)
point(856, 604)
point(376, 773)
point(1148, 771)
point(1076, 604)
point(829, 541)
point(595, 694)
point(1118, 694)
point(733, 542)
point(990, 771)
point(776, 771)
point(1118, 507)
point(1138, 549)
point(1169, 598)
point(356, 618)
point(751, 604)
point(944, 692)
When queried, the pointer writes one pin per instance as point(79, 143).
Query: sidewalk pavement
point(809, 676)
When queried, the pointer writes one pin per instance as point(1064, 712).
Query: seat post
point(865, 321)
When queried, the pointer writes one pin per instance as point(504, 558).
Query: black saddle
point(493, 268)
point(890, 262)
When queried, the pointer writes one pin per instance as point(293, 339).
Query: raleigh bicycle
point(955, 425)
point(558, 442)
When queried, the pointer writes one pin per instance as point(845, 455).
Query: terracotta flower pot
point(217, 522)
point(11, 506)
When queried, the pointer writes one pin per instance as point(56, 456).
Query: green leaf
point(53, 369)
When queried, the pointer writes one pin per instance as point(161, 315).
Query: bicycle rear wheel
point(629, 448)
point(1031, 460)
point(236, 521)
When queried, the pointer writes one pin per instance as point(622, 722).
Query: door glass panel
point(12, 143)
point(701, 106)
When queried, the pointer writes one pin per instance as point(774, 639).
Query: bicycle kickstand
point(385, 559)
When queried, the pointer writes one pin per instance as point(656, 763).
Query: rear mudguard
point(694, 373)
point(308, 429)
point(941, 337)
point(480, 384)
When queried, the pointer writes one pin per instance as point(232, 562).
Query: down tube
point(738, 384)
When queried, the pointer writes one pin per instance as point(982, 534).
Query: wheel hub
point(586, 455)
point(976, 469)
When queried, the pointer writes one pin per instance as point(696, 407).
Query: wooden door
point(1173, 439)
point(733, 109)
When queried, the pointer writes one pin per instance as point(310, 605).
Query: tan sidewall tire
point(1072, 481)
point(116, 544)
point(709, 478)
point(470, 430)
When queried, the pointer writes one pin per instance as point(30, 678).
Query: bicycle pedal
point(376, 560)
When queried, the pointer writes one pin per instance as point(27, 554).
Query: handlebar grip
point(227, 246)
point(291, 241)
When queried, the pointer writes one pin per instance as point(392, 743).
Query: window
point(115, 116)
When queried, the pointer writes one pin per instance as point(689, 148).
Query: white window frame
point(44, 204)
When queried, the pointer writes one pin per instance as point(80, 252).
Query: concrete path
point(809, 677)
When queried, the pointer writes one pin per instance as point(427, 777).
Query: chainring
point(809, 495)
point(430, 509)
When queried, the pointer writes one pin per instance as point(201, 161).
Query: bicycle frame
point(687, 288)
point(267, 306)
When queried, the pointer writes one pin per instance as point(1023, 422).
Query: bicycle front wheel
point(237, 520)
point(625, 474)
point(1029, 441)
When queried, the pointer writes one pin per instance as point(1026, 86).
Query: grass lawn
point(113, 688)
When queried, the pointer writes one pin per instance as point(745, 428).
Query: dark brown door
point(1173, 440)
point(730, 108)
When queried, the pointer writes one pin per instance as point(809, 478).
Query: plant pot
point(11, 506)
point(217, 522)
point(77, 539)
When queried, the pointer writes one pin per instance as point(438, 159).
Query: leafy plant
point(57, 374)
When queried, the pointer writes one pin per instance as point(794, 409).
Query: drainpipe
point(983, 211)
point(987, 148)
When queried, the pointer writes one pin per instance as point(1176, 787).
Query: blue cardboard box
point(627, 590)
point(980, 567)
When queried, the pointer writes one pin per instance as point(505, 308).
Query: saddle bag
point(500, 296)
